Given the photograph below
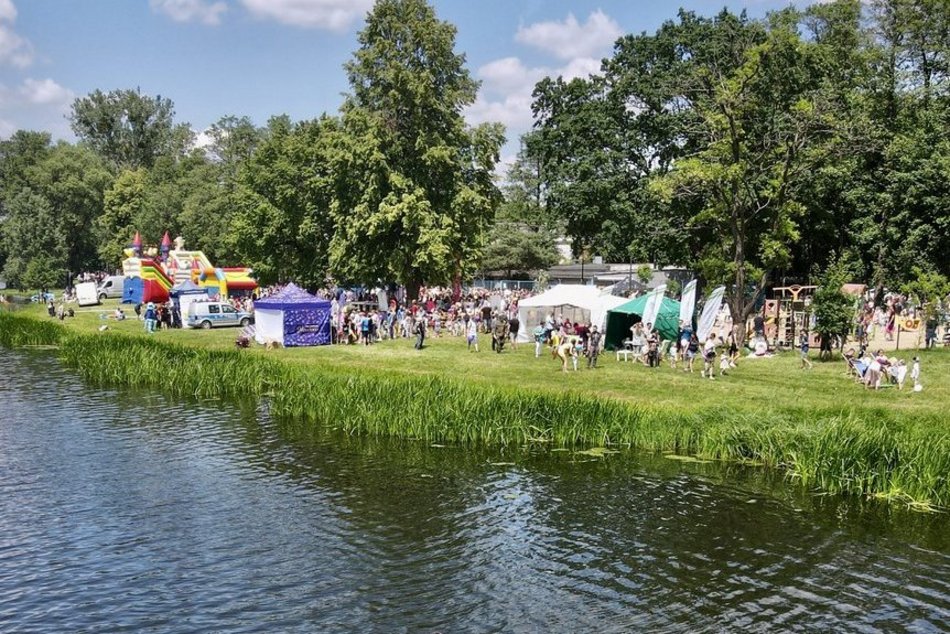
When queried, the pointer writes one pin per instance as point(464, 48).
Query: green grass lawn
point(757, 385)
point(818, 425)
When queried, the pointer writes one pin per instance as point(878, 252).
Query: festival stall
point(576, 302)
point(292, 317)
point(621, 318)
point(187, 293)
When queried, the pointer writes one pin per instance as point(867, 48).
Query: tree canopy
point(415, 188)
point(748, 150)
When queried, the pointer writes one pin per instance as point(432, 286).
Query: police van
point(213, 314)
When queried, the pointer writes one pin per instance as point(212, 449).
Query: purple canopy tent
point(292, 317)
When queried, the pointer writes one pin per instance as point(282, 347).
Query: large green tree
point(415, 186)
point(282, 225)
point(18, 154)
point(72, 180)
point(124, 204)
point(34, 241)
point(758, 121)
point(129, 129)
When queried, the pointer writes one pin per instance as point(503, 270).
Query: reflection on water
point(128, 511)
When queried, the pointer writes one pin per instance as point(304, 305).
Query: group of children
point(647, 347)
point(876, 370)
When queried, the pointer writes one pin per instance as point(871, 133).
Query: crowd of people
point(367, 316)
point(358, 318)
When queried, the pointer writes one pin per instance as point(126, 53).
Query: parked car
point(214, 314)
point(111, 286)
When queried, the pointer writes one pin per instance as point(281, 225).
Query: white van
point(86, 294)
point(212, 314)
point(111, 286)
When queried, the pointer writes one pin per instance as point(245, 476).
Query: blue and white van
point(213, 314)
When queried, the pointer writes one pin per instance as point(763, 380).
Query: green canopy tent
point(621, 318)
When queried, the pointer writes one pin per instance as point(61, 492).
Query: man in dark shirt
point(593, 347)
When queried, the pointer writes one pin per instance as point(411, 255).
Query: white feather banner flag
point(710, 311)
point(654, 301)
point(688, 303)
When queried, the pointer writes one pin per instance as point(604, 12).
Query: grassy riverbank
point(817, 426)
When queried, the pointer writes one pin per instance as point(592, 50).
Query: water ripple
point(127, 511)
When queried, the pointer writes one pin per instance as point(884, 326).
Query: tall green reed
point(857, 451)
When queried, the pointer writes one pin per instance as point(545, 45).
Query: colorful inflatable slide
point(145, 281)
point(151, 279)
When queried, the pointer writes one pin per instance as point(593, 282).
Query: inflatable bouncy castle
point(221, 281)
point(145, 278)
point(150, 278)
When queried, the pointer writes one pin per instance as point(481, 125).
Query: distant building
point(624, 275)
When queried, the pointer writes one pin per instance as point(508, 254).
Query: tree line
point(753, 151)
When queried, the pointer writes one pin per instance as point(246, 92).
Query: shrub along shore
point(899, 454)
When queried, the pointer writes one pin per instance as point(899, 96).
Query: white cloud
point(45, 92)
point(508, 74)
point(333, 15)
point(507, 85)
point(6, 129)
point(202, 139)
point(36, 104)
point(14, 50)
point(7, 11)
point(570, 39)
point(190, 10)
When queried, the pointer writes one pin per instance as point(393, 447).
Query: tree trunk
point(412, 289)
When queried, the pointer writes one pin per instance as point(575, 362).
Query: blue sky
point(265, 57)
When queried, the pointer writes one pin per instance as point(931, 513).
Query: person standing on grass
point(420, 329)
point(539, 333)
point(499, 333)
point(724, 364)
point(471, 334)
point(514, 325)
point(692, 349)
point(709, 357)
point(150, 318)
point(930, 333)
point(733, 348)
point(593, 347)
point(803, 345)
point(365, 328)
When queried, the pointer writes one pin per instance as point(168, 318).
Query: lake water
point(130, 511)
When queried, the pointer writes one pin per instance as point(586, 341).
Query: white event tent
point(576, 302)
